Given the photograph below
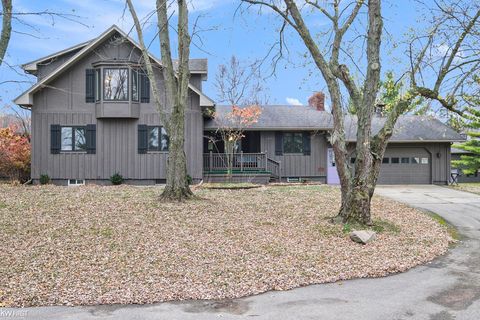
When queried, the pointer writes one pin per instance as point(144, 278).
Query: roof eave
point(32, 66)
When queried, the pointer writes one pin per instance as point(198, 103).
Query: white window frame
point(78, 182)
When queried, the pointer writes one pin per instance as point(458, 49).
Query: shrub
point(116, 179)
point(14, 154)
point(189, 179)
point(44, 179)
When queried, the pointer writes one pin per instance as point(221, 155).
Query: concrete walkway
point(448, 288)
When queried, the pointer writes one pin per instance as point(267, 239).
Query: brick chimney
point(317, 101)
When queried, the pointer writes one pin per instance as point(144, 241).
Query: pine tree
point(470, 163)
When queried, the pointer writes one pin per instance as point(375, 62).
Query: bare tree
point(8, 15)
point(358, 185)
point(21, 118)
point(240, 84)
point(177, 86)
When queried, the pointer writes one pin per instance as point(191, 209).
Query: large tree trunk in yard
point(177, 91)
point(177, 187)
point(356, 205)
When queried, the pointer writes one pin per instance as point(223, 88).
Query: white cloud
point(293, 102)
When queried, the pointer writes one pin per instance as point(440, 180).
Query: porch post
point(241, 160)
point(279, 171)
point(211, 161)
point(266, 161)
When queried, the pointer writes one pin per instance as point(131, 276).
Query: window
point(76, 182)
point(386, 160)
point(405, 160)
point(115, 84)
point(352, 160)
point(292, 142)
point(424, 160)
point(73, 139)
point(98, 85)
point(415, 160)
point(395, 160)
point(134, 85)
point(157, 139)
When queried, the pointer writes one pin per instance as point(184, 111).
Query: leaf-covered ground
point(102, 245)
point(473, 187)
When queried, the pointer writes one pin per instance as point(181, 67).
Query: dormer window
point(115, 84)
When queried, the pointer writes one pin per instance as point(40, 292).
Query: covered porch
point(248, 163)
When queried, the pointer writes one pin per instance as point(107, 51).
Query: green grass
point(472, 187)
point(3, 205)
point(451, 229)
point(385, 226)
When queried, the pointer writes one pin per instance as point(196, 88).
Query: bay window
point(115, 84)
point(134, 85)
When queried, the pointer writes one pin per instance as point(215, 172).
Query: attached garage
point(409, 165)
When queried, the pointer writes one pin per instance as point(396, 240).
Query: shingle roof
point(407, 129)
point(282, 117)
point(195, 65)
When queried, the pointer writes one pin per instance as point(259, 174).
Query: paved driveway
point(448, 288)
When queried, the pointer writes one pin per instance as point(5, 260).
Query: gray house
point(92, 116)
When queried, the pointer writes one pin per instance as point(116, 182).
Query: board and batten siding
point(299, 165)
point(117, 148)
point(63, 102)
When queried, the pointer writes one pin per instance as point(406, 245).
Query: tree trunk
point(6, 27)
point(177, 93)
point(356, 205)
point(177, 187)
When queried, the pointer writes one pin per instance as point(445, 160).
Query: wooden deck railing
point(274, 167)
point(242, 162)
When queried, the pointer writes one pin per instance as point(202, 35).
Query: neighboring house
point(92, 116)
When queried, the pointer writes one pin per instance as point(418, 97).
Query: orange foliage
point(14, 154)
point(243, 117)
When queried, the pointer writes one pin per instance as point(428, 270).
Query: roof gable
point(26, 98)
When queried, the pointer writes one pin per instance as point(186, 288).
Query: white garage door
point(406, 166)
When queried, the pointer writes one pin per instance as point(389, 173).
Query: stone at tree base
point(363, 236)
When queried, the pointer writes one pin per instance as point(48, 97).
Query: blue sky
point(248, 34)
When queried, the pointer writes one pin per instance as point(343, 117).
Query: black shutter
point(278, 143)
point(306, 143)
point(144, 88)
point(91, 136)
point(55, 138)
point(142, 138)
point(90, 85)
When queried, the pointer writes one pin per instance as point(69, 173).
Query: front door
point(332, 174)
point(251, 142)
